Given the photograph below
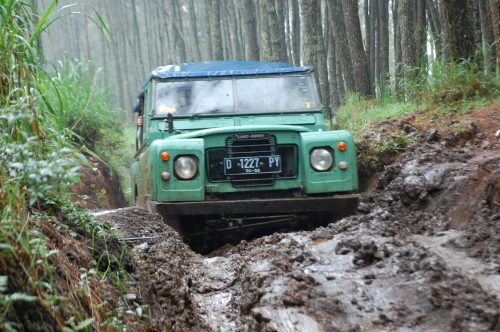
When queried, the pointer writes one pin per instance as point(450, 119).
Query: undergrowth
point(39, 160)
point(446, 91)
point(90, 111)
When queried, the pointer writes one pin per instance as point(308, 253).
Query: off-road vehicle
point(226, 148)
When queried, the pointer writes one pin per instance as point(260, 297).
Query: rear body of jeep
point(236, 145)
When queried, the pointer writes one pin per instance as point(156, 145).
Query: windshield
point(236, 95)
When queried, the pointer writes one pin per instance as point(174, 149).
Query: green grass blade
point(104, 26)
point(41, 23)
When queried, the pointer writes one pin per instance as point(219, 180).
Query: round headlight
point(185, 168)
point(321, 159)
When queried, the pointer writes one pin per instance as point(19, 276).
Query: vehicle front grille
point(251, 146)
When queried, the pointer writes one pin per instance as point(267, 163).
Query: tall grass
point(446, 91)
point(82, 106)
point(454, 84)
point(28, 167)
point(457, 86)
point(38, 162)
point(89, 112)
point(356, 113)
point(19, 62)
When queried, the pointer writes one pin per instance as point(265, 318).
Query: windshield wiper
point(212, 111)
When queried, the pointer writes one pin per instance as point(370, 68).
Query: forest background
point(70, 69)
point(387, 51)
point(369, 47)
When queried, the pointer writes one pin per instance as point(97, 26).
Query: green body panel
point(142, 176)
point(176, 189)
point(334, 180)
point(193, 135)
point(195, 143)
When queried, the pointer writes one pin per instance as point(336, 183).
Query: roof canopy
point(226, 68)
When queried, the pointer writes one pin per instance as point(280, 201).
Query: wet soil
point(421, 254)
point(98, 187)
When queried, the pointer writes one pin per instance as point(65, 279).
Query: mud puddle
point(422, 254)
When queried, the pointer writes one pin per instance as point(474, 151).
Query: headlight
point(185, 168)
point(321, 159)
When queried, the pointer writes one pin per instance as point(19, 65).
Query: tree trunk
point(117, 66)
point(371, 34)
point(239, 23)
point(340, 35)
point(458, 29)
point(322, 65)
point(251, 46)
point(233, 30)
point(227, 53)
point(420, 34)
point(383, 42)
point(204, 19)
point(406, 28)
point(159, 36)
point(488, 37)
point(215, 30)
point(170, 33)
point(332, 68)
point(288, 33)
point(366, 15)
point(138, 40)
point(191, 30)
point(266, 52)
point(355, 43)
point(279, 7)
point(276, 33)
point(339, 79)
point(475, 20)
point(311, 38)
point(295, 29)
point(435, 25)
point(495, 21)
point(149, 35)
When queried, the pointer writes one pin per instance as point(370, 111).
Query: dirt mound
point(164, 264)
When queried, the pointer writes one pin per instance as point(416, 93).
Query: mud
point(421, 254)
point(98, 188)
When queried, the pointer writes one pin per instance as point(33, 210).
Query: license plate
point(252, 165)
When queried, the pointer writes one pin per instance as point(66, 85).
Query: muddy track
point(422, 253)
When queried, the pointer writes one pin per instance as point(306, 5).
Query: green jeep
point(229, 148)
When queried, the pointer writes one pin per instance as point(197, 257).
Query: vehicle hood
point(239, 129)
point(184, 125)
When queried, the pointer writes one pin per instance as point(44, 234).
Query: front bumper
point(338, 205)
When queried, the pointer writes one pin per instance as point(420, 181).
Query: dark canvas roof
point(226, 68)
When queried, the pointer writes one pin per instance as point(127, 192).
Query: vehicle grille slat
point(251, 147)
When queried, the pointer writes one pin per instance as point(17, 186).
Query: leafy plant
point(89, 113)
point(39, 160)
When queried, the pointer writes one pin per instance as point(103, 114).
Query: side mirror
point(136, 108)
point(170, 122)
